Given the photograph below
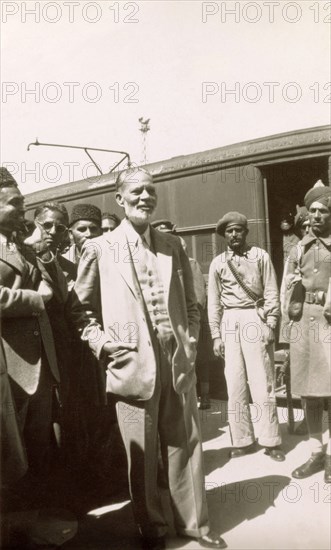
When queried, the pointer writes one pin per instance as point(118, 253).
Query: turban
point(85, 212)
point(301, 216)
point(165, 226)
point(231, 218)
point(319, 193)
point(6, 179)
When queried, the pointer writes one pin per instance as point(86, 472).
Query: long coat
point(25, 324)
point(110, 308)
point(13, 459)
point(310, 337)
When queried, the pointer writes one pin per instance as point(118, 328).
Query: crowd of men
point(93, 306)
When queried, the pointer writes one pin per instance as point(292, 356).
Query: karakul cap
point(85, 212)
point(231, 218)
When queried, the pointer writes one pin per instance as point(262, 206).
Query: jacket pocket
point(119, 359)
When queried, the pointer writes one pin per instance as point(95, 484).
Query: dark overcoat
point(25, 324)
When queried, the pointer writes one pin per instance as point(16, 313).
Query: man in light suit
point(28, 351)
point(137, 309)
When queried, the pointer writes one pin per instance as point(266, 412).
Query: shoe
point(236, 452)
point(212, 540)
point(302, 429)
point(327, 472)
point(153, 543)
point(204, 403)
point(313, 465)
point(276, 453)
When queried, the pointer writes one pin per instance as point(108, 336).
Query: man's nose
point(52, 231)
point(88, 233)
point(145, 194)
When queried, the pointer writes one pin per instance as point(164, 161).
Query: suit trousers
point(35, 418)
point(171, 421)
point(249, 366)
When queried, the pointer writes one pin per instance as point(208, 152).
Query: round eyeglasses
point(59, 227)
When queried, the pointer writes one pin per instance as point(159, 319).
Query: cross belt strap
point(258, 300)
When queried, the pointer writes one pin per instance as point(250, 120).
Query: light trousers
point(249, 365)
point(170, 420)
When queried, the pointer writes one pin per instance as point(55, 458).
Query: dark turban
point(319, 193)
point(6, 179)
point(301, 216)
point(85, 212)
point(231, 218)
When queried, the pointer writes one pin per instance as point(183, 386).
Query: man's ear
point(119, 199)
point(71, 237)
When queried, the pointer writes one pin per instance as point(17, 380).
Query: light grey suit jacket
point(108, 307)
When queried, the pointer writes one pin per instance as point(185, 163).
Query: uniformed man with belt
point(243, 309)
point(310, 336)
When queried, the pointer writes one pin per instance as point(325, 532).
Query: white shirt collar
point(133, 236)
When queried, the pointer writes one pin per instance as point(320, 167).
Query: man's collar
point(242, 252)
point(311, 237)
point(133, 236)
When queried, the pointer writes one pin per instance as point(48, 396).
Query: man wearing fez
point(89, 428)
point(28, 281)
point(310, 335)
point(141, 318)
point(243, 309)
point(85, 223)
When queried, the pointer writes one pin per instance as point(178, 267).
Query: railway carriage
point(262, 178)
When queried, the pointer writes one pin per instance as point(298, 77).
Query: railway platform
point(253, 501)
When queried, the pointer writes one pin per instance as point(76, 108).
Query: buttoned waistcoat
point(108, 306)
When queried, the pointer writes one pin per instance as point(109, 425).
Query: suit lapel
point(125, 265)
point(123, 258)
point(12, 257)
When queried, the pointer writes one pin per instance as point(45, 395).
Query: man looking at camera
point(140, 317)
point(243, 308)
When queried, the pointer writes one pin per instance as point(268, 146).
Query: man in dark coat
point(92, 417)
point(310, 336)
point(28, 282)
